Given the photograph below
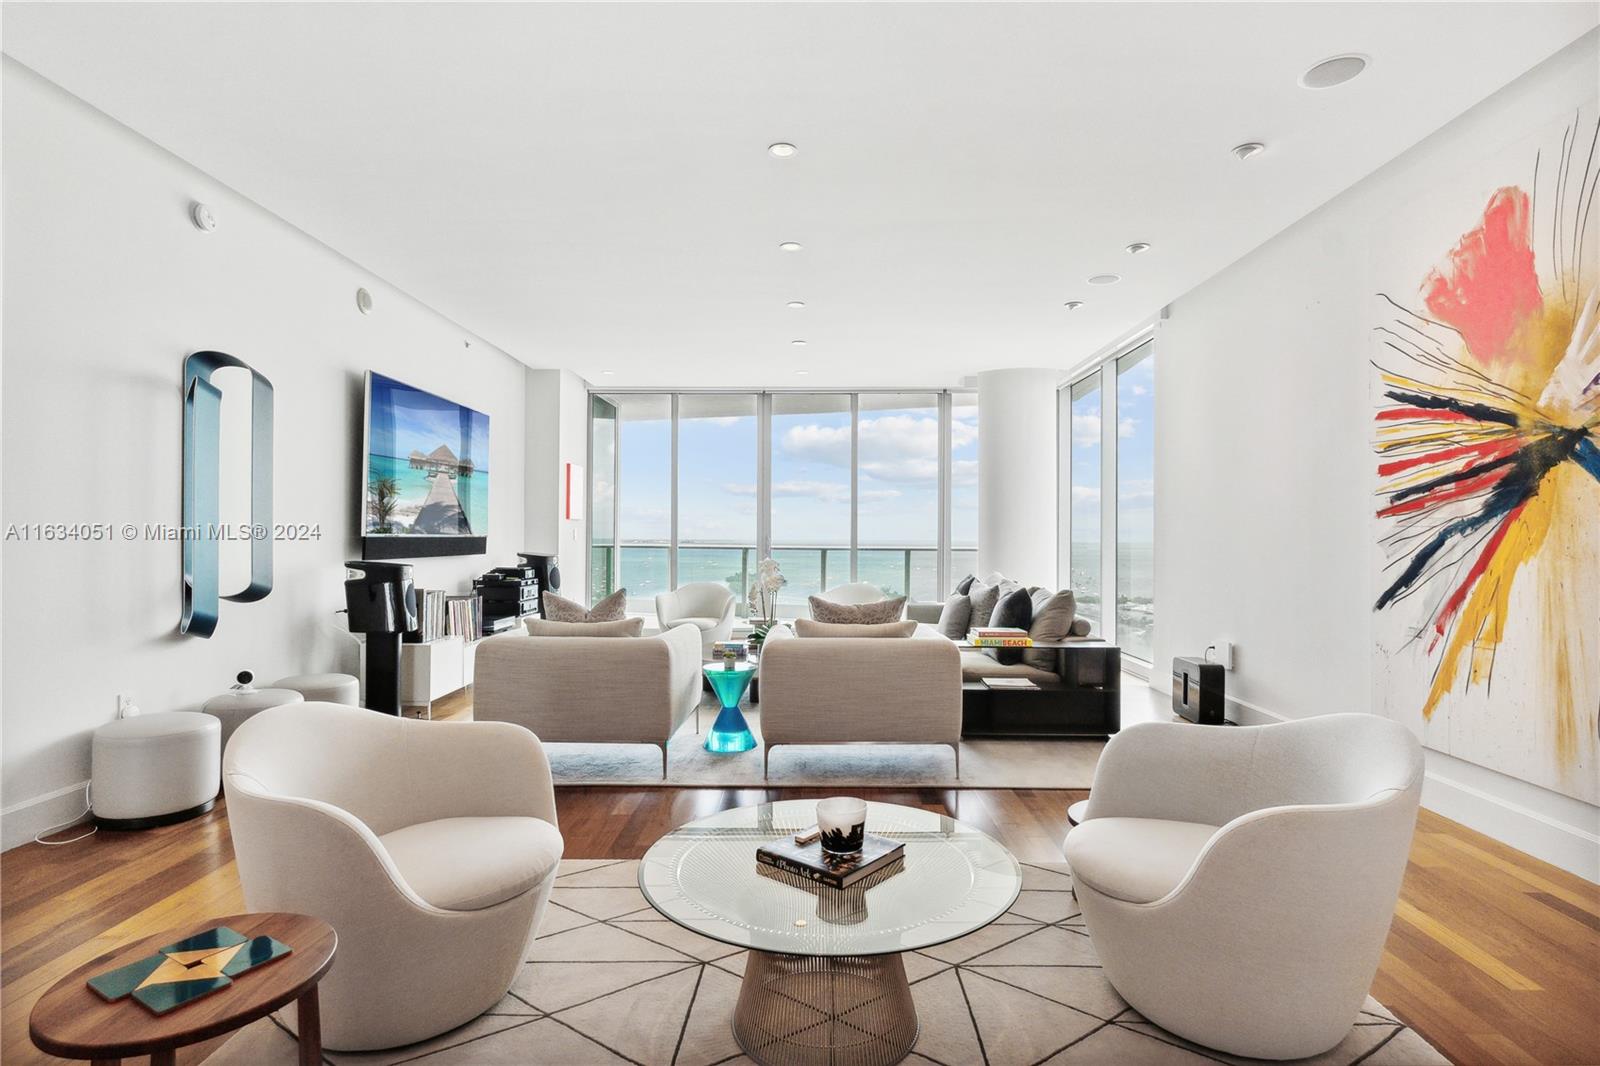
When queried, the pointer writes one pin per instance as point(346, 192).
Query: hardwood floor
point(1493, 955)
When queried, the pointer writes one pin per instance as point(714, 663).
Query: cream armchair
point(591, 690)
point(430, 847)
point(1239, 883)
point(706, 605)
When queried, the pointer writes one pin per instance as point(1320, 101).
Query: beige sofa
point(591, 690)
point(850, 690)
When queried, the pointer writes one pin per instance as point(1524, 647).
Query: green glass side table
point(730, 733)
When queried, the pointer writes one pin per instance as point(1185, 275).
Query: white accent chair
point(853, 592)
point(430, 847)
point(1239, 883)
point(706, 605)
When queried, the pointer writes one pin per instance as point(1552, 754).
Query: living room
point(800, 533)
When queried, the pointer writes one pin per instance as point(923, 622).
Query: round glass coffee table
point(824, 984)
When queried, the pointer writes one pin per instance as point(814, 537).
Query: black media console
point(1086, 701)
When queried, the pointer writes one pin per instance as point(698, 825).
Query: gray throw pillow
point(983, 596)
point(808, 627)
point(1053, 614)
point(611, 609)
point(956, 616)
point(964, 586)
point(1013, 611)
point(622, 627)
point(858, 613)
point(1081, 627)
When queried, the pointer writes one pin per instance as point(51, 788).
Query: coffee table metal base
point(802, 1010)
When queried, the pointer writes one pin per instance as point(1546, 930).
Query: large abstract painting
point(1487, 432)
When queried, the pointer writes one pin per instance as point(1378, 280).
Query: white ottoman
point(234, 707)
point(155, 769)
point(324, 688)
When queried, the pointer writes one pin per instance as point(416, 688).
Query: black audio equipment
point(1198, 691)
point(382, 603)
point(545, 571)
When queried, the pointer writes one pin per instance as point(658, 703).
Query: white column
point(1017, 474)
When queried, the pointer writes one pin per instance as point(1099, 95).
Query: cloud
point(1126, 427)
point(825, 491)
point(1085, 430)
point(893, 448)
point(1085, 494)
point(1138, 390)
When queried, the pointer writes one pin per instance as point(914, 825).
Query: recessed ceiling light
point(1136, 247)
point(1073, 305)
point(1105, 279)
point(795, 305)
point(782, 149)
point(801, 373)
point(1249, 149)
point(1335, 71)
point(791, 246)
point(798, 344)
point(608, 372)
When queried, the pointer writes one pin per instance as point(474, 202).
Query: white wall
point(1017, 474)
point(1264, 465)
point(107, 288)
point(557, 434)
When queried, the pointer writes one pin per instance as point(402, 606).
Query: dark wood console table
point(1086, 701)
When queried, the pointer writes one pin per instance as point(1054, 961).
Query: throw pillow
point(622, 627)
point(956, 616)
point(611, 609)
point(1013, 611)
point(857, 613)
point(1081, 627)
point(964, 586)
point(807, 627)
point(983, 596)
point(1053, 614)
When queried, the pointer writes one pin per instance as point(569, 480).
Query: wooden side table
point(73, 1022)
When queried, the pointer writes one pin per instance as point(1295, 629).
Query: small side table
point(730, 733)
point(73, 1022)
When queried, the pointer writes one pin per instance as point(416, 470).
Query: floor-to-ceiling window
point(810, 494)
point(644, 495)
point(963, 487)
point(1083, 486)
point(1136, 606)
point(1108, 475)
point(602, 496)
point(717, 486)
point(878, 487)
point(897, 493)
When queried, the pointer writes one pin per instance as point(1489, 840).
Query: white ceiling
point(588, 185)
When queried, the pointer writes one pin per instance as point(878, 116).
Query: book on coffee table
point(836, 871)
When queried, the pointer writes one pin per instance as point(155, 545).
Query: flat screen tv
point(426, 485)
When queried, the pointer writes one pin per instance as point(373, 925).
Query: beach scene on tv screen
point(427, 471)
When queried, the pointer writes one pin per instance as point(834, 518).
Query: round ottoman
point(155, 769)
point(324, 688)
point(234, 707)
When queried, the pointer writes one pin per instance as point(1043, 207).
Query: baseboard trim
point(1559, 843)
point(26, 819)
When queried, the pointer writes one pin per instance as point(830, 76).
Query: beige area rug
point(984, 763)
point(612, 982)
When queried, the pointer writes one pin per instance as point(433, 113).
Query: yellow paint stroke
point(1481, 624)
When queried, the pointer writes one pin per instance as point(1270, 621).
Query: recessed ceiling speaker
point(202, 217)
point(1335, 71)
point(364, 301)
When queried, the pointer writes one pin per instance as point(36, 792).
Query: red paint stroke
point(1446, 493)
point(1485, 451)
point(1424, 414)
point(1491, 285)
point(1479, 565)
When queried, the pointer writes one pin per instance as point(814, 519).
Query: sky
point(1135, 496)
point(405, 419)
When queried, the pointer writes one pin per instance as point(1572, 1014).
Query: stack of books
point(836, 871)
point(730, 651)
point(432, 617)
point(466, 617)
point(999, 637)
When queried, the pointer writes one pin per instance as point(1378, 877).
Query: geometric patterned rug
point(610, 981)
